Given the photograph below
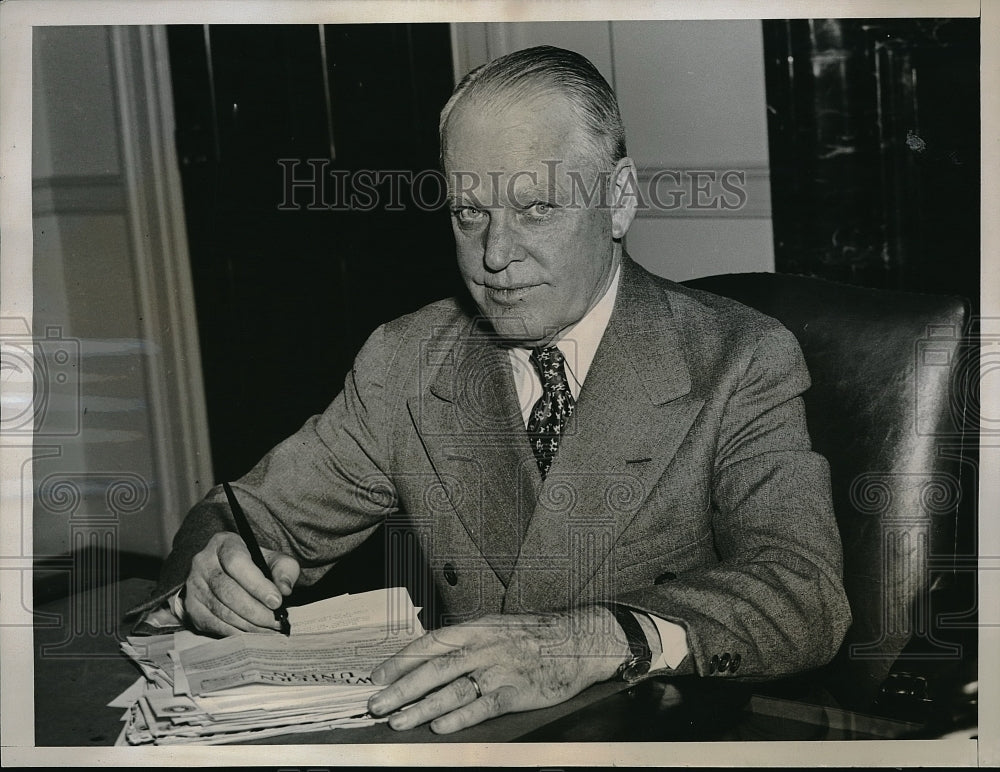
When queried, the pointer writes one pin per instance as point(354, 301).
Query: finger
point(454, 695)
point(427, 676)
point(234, 557)
point(426, 647)
point(223, 597)
point(284, 568)
point(201, 591)
point(205, 620)
point(490, 705)
point(256, 617)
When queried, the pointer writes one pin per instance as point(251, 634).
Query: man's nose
point(499, 246)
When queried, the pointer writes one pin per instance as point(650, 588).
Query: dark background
point(285, 298)
point(873, 129)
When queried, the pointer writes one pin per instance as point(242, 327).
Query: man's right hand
point(226, 593)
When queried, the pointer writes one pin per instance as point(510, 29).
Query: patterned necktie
point(553, 408)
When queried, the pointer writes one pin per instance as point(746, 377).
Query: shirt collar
point(579, 343)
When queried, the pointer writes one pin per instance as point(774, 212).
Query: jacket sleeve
point(316, 496)
point(774, 603)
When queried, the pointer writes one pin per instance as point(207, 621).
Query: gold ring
point(475, 685)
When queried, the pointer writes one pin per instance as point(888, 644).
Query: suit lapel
point(471, 427)
point(633, 412)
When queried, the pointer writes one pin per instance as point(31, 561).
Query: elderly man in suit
point(612, 473)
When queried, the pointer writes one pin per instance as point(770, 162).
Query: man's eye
point(539, 210)
point(468, 215)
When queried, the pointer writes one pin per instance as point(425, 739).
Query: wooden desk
point(79, 669)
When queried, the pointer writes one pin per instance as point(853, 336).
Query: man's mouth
point(508, 295)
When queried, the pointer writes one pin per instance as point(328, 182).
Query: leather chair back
point(887, 408)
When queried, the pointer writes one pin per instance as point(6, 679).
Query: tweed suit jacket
point(684, 486)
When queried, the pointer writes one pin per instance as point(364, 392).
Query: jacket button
point(724, 662)
point(666, 576)
point(450, 574)
point(714, 664)
point(734, 665)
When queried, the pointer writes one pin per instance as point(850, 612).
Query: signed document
point(197, 689)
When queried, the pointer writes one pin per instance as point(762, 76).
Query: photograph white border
point(17, 17)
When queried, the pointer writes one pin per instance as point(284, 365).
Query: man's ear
point(624, 186)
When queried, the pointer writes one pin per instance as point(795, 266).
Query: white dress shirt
point(578, 346)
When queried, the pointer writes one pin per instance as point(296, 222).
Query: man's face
point(534, 256)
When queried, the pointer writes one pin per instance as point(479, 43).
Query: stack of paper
point(196, 689)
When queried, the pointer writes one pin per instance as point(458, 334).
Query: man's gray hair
point(542, 69)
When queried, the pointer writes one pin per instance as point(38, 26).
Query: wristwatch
point(638, 664)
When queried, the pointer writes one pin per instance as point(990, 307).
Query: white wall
point(692, 99)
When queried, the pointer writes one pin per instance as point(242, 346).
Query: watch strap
point(642, 655)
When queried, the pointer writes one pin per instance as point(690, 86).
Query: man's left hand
point(520, 661)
